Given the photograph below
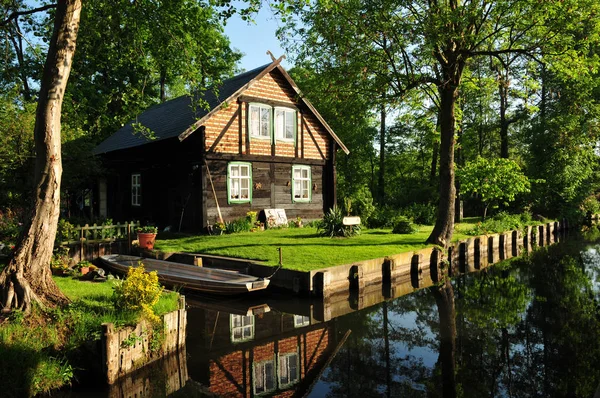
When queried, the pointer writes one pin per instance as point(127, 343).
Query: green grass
point(303, 249)
point(41, 353)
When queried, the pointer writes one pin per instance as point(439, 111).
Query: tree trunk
point(381, 185)
point(458, 214)
point(444, 225)
point(435, 151)
point(27, 278)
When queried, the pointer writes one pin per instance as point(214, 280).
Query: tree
point(495, 181)
point(27, 278)
point(431, 43)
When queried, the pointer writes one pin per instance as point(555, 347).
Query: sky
point(255, 39)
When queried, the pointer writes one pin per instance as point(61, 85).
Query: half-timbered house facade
point(259, 145)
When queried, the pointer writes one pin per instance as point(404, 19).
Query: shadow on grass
point(17, 368)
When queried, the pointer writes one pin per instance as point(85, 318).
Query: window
point(285, 124)
point(239, 181)
point(241, 327)
point(136, 189)
point(301, 183)
point(264, 377)
point(260, 121)
point(288, 369)
point(301, 320)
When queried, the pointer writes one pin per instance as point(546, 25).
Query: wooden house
point(259, 144)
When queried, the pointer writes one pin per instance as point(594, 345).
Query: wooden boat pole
point(214, 193)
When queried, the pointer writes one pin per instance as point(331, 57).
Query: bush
point(501, 222)
point(138, 293)
point(362, 203)
point(10, 226)
point(382, 217)
point(403, 225)
point(65, 231)
point(239, 225)
point(421, 213)
point(333, 225)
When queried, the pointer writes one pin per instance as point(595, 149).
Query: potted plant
point(146, 236)
point(84, 267)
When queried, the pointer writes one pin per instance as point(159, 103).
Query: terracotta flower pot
point(84, 270)
point(146, 240)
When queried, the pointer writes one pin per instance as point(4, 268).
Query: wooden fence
point(88, 242)
point(129, 348)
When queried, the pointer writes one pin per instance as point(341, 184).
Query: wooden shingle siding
point(222, 130)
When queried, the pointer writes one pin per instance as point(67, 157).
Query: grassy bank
point(304, 249)
point(44, 351)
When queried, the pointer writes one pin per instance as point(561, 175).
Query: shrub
point(65, 231)
point(10, 227)
point(403, 225)
point(362, 203)
point(138, 293)
point(501, 222)
point(239, 225)
point(382, 217)
point(333, 225)
point(421, 213)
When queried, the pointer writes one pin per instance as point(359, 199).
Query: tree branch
point(17, 14)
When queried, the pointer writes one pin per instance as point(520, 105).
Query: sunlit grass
point(303, 248)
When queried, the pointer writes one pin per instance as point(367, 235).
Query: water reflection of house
point(245, 355)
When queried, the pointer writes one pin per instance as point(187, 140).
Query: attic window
point(136, 189)
point(285, 124)
point(259, 121)
point(239, 182)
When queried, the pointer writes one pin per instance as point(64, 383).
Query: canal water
point(525, 328)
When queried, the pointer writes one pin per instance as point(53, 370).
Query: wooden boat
point(205, 280)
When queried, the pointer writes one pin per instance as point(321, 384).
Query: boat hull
point(190, 277)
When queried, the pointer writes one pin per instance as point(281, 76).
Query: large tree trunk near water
point(27, 278)
point(444, 225)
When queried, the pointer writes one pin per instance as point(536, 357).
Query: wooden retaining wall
point(127, 349)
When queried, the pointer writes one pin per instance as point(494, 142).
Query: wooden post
point(81, 237)
point(128, 236)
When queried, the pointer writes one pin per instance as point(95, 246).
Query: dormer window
point(259, 121)
point(285, 124)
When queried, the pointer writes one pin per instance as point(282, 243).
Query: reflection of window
point(285, 124)
point(241, 327)
point(239, 181)
point(288, 369)
point(136, 189)
point(259, 121)
point(301, 183)
point(300, 320)
point(264, 377)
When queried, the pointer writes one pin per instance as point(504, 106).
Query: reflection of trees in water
point(506, 331)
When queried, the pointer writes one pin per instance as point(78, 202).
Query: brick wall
point(224, 127)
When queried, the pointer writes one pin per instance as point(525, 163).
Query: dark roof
point(171, 118)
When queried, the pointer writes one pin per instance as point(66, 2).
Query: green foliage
point(403, 225)
point(332, 225)
point(148, 229)
point(66, 231)
point(502, 222)
point(421, 213)
point(238, 225)
point(139, 292)
point(362, 202)
point(494, 181)
point(10, 226)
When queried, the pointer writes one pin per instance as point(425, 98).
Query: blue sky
point(255, 39)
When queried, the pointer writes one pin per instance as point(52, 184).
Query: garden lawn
point(303, 248)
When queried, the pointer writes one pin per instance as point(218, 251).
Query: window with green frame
point(285, 124)
point(301, 183)
point(239, 182)
point(259, 121)
point(264, 377)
